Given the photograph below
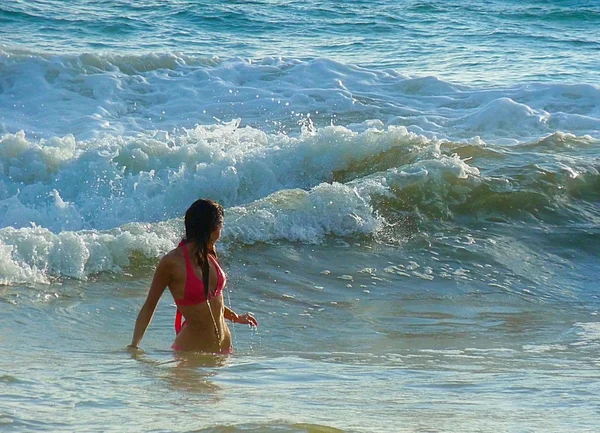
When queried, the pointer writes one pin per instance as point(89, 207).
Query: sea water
point(412, 208)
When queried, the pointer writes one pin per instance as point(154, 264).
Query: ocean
point(412, 208)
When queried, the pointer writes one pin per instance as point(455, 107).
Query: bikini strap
point(189, 268)
point(178, 324)
point(219, 271)
point(178, 315)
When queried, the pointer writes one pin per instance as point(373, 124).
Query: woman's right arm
point(162, 277)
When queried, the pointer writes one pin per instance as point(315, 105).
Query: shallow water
point(396, 351)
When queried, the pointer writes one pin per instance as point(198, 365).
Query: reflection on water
point(188, 372)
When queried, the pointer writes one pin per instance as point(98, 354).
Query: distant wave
point(90, 95)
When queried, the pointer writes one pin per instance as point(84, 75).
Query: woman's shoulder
point(175, 256)
point(171, 264)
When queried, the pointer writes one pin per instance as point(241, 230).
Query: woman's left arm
point(246, 319)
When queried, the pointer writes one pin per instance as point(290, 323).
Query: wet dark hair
point(201, 219)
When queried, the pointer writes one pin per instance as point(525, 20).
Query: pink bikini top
point(194, 287)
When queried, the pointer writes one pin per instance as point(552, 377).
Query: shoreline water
point(436, 357)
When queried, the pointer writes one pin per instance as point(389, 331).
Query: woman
point(196, 281)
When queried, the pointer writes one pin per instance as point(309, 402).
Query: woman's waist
point(201, 337)
point(202, 326)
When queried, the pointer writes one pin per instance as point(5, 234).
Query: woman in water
point(195, 279)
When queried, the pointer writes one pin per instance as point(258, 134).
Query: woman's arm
point(246, 319)
point(231, 315)
point(162, 277)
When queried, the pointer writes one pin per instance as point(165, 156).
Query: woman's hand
point(246, 319)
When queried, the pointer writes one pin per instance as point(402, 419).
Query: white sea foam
point(589, 333)
point(90, 95)
point(297, 215)
point(36, 254)
point(73, 208)
point(64, 184)
point(99, 152)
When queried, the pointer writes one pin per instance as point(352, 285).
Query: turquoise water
point(412, 203)
point(483, 42)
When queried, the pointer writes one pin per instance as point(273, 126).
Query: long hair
point(201, 219)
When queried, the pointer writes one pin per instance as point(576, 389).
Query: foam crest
point(29, 162)
point(37, 255)
point(561, 191)
point(66, 184)
point(14, 271)
point(501, 115)
point(432, 167)
point(90, 95)
point(304, 216)
point(589, 333)
point(106, 183)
